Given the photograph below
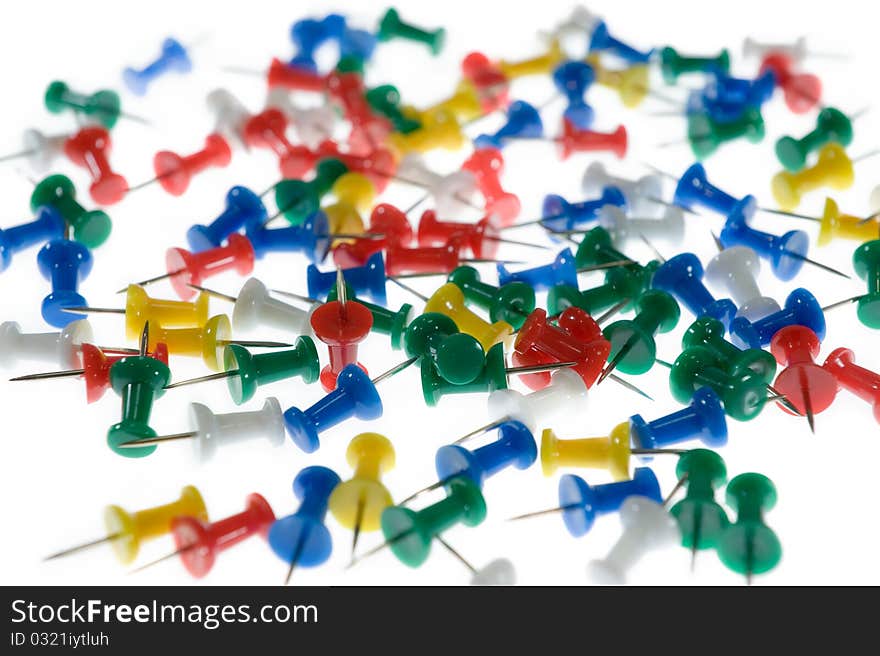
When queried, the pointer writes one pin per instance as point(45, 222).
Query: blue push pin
point(602, 40)
point(801, 309)
point(572, 79)
point(355, 396)
point(561, 271)
point(515, 447)
point(358, 44)
point(581, 503)
point(310, 34)
point(173, 58)
point(243, 209)
point(786, 253)
point(65, 263)
point(702, 420)
point(302, 538)
point(366, 281)
point(560, 215)
point(682, 277)
point(733, 91)
point(523, 122)
point(47, 225)
point(694, 189)
point(311, 238)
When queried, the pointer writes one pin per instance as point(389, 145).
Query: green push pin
point(632, 340)
point(709, 332)
point(831, 125)
point(512, 302)
point(597, 248)
point(706, 135)
point(385, 100)
point(409, 533)
point(246, 372)
point(391, 27)
point(866, 262)
point(103, 106)
point(673, 65)
point(748, 546)
point(492, 377)
point(299, 199)
point(90, 228)
point(139, 380)
point(350, 64)
point(456, 357)
point(620, 283)
point(385, 321)
point(700, 519)
point(743, 394)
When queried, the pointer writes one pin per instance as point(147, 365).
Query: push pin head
point(499, 572)
point(748, 546)
point(458, 357)
point(515, 446)
point(866, 262)
point(138, 380)
point(253, 370)
point(65, 263)
point(700, 519)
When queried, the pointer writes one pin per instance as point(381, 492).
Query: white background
point(56, 472)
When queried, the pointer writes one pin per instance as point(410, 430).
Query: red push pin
point(805, 384)
point(436, 259)
point(186, 268)
point(481, 238)
point(486, 165)
point(573, 140)
point(341, 325)
point(294, 78)
point(385, 220)
point(490, 82)
point(268, 129)
point(802, 91)
point(862, 382)
point(90, 148)
point(577, 338)
point(368, 129)
point(198, 542)
point(174, 172)
point(379, 165)
point(95, 369)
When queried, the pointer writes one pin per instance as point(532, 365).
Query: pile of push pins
point(533, 324)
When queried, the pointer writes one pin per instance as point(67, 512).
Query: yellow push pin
point(207, 342)
point(630, 83)
point(355, 195)
point(449, 300)
point(835, 225)
point(358, 503)
point(611, 452)
point(127, 531)
point(440, 130)
point(540, 65)
point(832, 169)
point(140, 308)
point(464, 105)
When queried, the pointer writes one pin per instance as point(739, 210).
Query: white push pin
point(641, 194)
point(453, 193)
point(38, 150)
point(230, 115)
point(210, 431)
point(574, 32)
point(797, 51)
point(647, 526)
point(734, 270)
point(499, 572)
point(313, 125)
point(565, 391)
point(669, 228)
point(61, 348)
point(256, 308)
point(874, 200)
